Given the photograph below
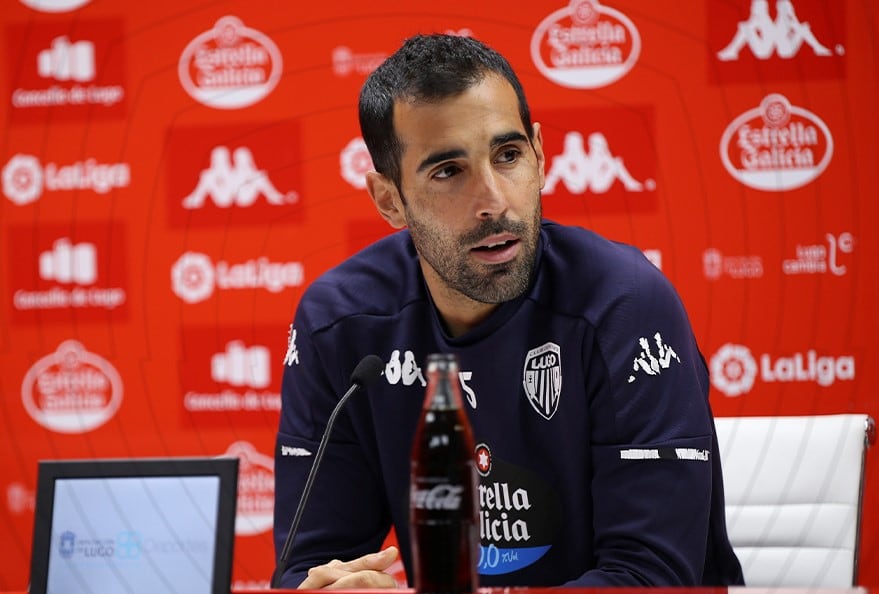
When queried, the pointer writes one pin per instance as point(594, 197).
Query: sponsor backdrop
point(174, 174)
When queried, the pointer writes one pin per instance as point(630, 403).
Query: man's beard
point(485, 283)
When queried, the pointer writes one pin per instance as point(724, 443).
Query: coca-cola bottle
point(443, 505)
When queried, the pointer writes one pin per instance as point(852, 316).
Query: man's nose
point(490, 198)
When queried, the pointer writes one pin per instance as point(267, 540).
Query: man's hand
point(367, 571)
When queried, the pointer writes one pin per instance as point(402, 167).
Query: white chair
point(794, 490)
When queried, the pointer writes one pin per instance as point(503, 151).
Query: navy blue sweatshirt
point(588, 398)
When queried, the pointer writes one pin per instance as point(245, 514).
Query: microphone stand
point(283, 561)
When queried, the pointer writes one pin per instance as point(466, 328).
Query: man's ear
point(386, 198)
point(538, 151)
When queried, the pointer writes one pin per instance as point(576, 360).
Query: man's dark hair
point(426, 68)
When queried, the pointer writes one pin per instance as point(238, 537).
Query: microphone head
point(368, 370)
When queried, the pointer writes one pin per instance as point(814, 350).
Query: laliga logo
point(230, 66)
point(194, 277)
point(25, 178)
point(71, 390)
point(776, 146)
point(734, 369)
point(355, 163)
point(585, 45)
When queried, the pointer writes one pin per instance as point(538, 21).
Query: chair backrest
point(794, 489)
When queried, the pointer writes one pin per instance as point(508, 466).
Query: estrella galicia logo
point(67, 544)
point(518, 515)
point(128, 545)
point(542, 378)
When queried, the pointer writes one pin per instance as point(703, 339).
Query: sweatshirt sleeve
point(343, 517)
point(652, 442)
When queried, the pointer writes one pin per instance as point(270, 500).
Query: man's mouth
point(496, 246)
point(497, 250)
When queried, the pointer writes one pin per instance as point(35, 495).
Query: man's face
point(470, 189)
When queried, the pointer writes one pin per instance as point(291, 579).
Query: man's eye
point(446, 172)
point(508, 156)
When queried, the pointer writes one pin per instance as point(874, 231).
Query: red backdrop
point(147, 292)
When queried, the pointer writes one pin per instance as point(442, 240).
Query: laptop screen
point(134, 525)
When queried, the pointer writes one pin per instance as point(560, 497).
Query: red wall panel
point(123, 246)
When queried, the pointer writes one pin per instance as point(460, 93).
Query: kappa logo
point(764, 37)
point(596, 170)
point(233, 179)
point(230, 66)
point(406, 371)
point(646, 362)
point(776, 146)
point(585, 45)
point(291, 357)
point(542, 378)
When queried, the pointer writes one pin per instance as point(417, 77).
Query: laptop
point(134, 525)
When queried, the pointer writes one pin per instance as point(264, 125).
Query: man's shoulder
point(584, 263)
point(376, 280)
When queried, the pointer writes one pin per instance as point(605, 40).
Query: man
point(585, 388)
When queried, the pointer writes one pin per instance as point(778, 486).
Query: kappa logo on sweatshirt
point(653, 359)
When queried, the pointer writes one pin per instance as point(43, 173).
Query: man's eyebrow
point(514, 136)
point(440, 156)
point(498, 140)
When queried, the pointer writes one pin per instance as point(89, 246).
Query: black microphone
point(368, 370)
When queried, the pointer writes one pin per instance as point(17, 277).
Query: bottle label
point(442, 497)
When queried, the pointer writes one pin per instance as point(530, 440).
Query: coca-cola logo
point(440, 497)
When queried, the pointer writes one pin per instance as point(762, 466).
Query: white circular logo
point(23, 179)
point(733, 370)
point(585, 45)
point(71, 390)
point(355, 162)
point(776, 146)
point(54, 5)
point(230, 66)
point(192, 277)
